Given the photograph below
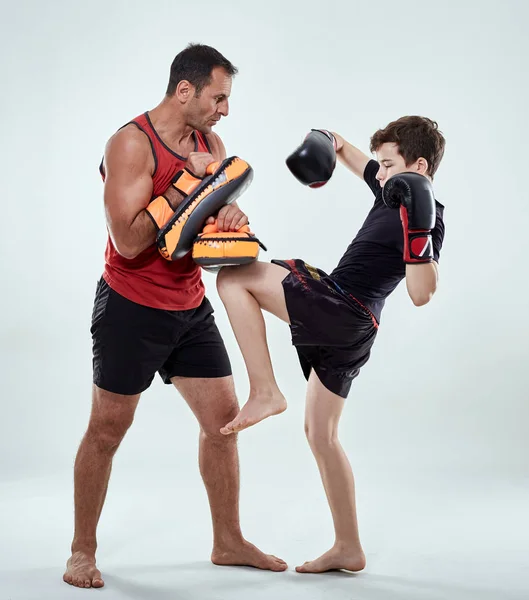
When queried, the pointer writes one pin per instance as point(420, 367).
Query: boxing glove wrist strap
point(418, 247)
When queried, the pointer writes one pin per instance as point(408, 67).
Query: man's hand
point(229, 218)
point(198, 162)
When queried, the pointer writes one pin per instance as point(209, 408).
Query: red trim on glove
point(418, 246)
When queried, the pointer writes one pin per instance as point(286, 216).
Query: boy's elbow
point(422, 297)
point(422, 284)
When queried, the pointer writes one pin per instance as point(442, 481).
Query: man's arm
point(128, 189)
point(350, 156)
point(421, 282)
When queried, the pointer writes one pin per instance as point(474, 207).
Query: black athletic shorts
point(132, 342)
point(332, 331)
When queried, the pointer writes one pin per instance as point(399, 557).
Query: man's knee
point(107, 432)
point(112, 415)
point(210, 427)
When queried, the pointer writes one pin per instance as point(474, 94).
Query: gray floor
point(426, 537)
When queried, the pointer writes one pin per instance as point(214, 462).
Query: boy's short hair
point(415, 137)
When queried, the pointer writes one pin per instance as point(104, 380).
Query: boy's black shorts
point(332, 331)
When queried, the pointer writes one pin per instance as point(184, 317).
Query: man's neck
point(171, 126)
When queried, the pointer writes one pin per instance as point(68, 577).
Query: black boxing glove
point(413, 195)
point(313, 162)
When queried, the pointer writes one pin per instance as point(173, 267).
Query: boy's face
point(391, 163)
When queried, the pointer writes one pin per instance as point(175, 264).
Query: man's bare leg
point(213, 401)
point(244, 291)
point(323, 411)
point(111, 416)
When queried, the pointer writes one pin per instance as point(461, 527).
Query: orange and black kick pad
point(214, 249)
point(231, 178)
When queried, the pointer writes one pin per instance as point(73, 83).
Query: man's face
point(206, 110)
point(391, 163)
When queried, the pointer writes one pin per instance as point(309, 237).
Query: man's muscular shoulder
point(129, 147)
point(217, 147)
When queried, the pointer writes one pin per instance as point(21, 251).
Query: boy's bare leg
point(245, 291)
point(323, 411)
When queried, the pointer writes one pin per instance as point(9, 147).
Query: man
point(151, 315)
point(334, 318)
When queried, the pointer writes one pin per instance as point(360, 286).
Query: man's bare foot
point(245, 554)
point(338, 557)
point(81, 571)
point(259, 406)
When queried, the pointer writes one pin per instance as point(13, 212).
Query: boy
point(334, 318)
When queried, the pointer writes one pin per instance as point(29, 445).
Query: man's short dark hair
point(415, 137)
point(195, 64)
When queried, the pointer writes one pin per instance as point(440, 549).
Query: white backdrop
point(454, 411)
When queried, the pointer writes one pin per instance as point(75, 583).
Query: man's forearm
point(141, 233)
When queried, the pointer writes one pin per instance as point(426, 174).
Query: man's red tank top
point(150, 279)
